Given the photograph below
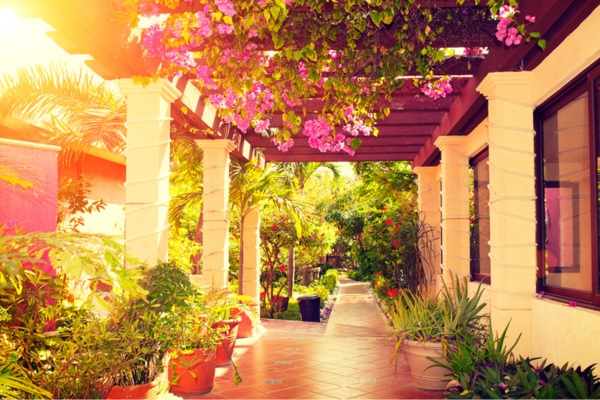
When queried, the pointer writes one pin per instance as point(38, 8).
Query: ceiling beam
point(339, 157)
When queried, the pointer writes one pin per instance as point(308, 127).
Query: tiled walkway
point(347, 358)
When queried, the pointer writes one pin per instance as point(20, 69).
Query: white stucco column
point(215, 210)
point(147, 177)
point(454, 176)
point(251, 283)
point(512, 203)
point(429, 212)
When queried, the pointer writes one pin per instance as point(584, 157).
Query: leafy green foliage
point(450, 316)
point(485, 368)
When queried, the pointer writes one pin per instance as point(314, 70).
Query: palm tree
point(298, 173)
point(251, 188)
point(74, 110)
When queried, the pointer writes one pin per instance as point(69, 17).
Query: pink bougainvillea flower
point(224, 29)
point(530, 18)
point(226, 7)
point(252, 33)
point(263, 125)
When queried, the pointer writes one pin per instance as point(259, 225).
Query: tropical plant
point(252, 188)
point(77, 111)
point(486, 368)
point(298, 174)
point(448, 316)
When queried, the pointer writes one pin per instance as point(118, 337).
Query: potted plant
point(227, 309)
point(424, 327)
point(144, 325)
point(193, 354)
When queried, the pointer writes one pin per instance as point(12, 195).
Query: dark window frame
point(588, 81)
point(477, 276)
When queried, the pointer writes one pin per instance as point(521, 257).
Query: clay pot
point(417, 354)
point(144, 391)
point(193, 373)
point(246, 326)
point(227, 346)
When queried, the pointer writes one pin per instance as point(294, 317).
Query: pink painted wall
point(34, 211)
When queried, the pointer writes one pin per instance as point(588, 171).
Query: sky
point(24, 43)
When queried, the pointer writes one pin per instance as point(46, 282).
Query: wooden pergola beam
point(500, 58)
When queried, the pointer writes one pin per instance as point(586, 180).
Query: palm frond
point(77, 111)
point(180, 202)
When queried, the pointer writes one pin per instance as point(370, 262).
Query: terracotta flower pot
point(193, 373)
point(144, 391)
point(433, 378)
point(227, 346)
point(246, 326)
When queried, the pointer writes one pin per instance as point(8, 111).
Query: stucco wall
point(107, 179)
point(33, 210)
point(565, 334)
point(556, 331)
point(559, 332)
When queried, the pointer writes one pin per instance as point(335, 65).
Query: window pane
point(480, 219)
point(567, 197)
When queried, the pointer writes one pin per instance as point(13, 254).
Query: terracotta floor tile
point(321, 387)
point(344, 393)
point(326, 361)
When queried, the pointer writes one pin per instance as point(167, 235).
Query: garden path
point(347, 358)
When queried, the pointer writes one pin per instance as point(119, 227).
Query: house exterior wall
point(107, 179)
point(550, 329)
point(33, 210)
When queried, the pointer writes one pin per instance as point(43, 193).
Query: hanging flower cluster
point(438, 88)
point(269, 56)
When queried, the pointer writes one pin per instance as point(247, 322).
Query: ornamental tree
point(255, 58)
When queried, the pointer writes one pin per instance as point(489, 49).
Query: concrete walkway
point(346, 358)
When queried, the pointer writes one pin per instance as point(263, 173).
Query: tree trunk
point(198, 238)
point(291, 272)
point(241, 260)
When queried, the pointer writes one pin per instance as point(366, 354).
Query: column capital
point(423, 170)
point(444, 142)
point(224, 144)
point(162, 87)
point(515, 86)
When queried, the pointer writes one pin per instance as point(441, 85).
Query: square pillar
point(455, 207)
point(512, 203)
point(251, 238)
point(429, 211)
point(147, 174)
point(215, 211)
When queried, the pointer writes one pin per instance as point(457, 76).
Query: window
point(480, 218)
point(568, 193)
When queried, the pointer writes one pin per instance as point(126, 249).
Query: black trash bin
point(310, 308)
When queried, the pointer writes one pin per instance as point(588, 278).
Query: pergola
point(418, 129)
point(407, 134)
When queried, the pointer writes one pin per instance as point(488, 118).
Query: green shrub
point(358, 276)
point(320, 291)
point(330, 280)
